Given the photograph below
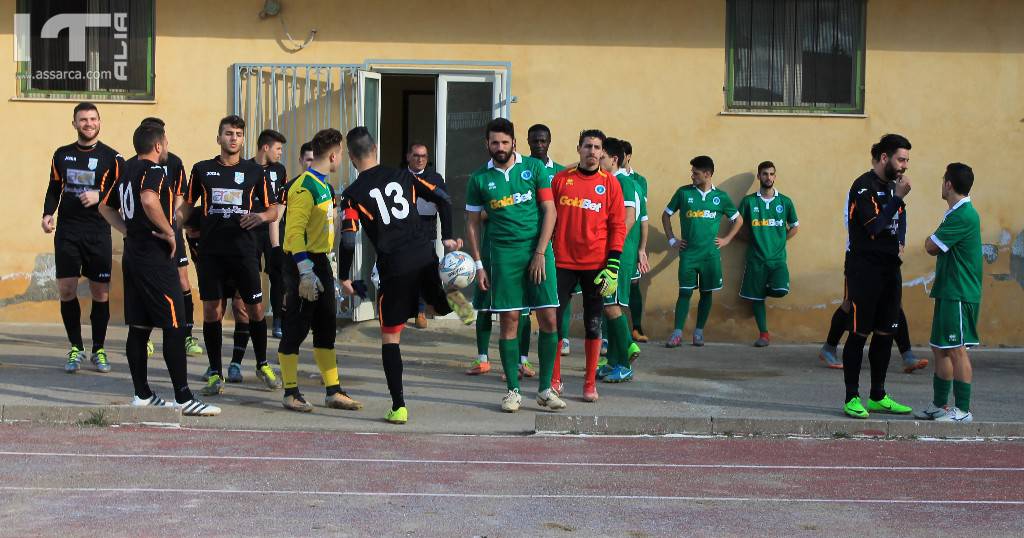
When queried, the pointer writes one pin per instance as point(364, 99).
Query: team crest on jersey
point(273, 176)
point(600, 190)
point(239, 177)
point(716, 200)
point(93, 162)
point(778, 209)
point(526, 174)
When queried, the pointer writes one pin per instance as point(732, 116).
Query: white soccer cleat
point(152, 401)
point(932, 413)
point(549, 399)
point(511, 402)
point(956, 415)
point(198, 408)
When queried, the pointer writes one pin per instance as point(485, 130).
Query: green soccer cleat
point(74, 360)
point(99, 361)
point(888, 405)
point(214, 386)
point(266, 374)
point(855, 408)
point(633, 352)
point(397, 416)
point(192, 347)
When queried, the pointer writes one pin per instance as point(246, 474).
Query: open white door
point(368, 114)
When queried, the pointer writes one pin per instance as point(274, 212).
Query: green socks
point(509, 352)
point(524, 334)
point(547, 347)
point(619, 340)
point(483, 332)
point(636, 305)
point(682, 308)
point(962, 395)
point(940, 390)
point(761, 316)
point(703, 309)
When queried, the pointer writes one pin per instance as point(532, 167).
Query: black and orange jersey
point(224, 194)
point(873, 215)
point(142, 175)
point(277, 175)
point(383, 201)
point(174, 170)
point(76, 169)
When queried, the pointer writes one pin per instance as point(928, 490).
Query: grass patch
point(96, 418)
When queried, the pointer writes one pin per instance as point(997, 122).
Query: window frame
point(23, 70)
point(857, 109)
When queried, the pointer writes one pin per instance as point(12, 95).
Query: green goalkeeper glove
point(608, 279)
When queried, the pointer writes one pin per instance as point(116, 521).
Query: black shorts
point(83, 253)
point(303, 315)
point(152, 294)
point(593, 302)
point(875, 292)
point(219, 276)
point(180, 253)
point(399, 295)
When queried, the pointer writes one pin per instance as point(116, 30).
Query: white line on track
point(508, 496)
point(515, 463)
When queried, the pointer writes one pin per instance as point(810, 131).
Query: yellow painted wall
point(947, 74)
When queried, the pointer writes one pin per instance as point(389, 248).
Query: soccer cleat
point(638, 336)
point(152, 401)
point(549, 399)
point(855, 408)
point(295, 402)
point(192, 347)
point(461, 307)
point(603, 361)
point(911, 362)
point(150, 348)
point(827, 354)
point(198, 408)
point(479, 367)
point(565, 347)
point(511, 402)
point(421, 321)
point(234, 373)
point(603, 370)
point(698, 338)
point(214, 386)
point(526, 369)
point(888, 405)
point(278, 330)
point(99, 361)
point(763, 340)
point(266, 374)
point(557, 386)
point(619, 374)
point(340, 400)
point(209, 372)
point(633, 353)
point(604, 347)
point(956, 415)
point(590, 392)
point(74, 360)
point(397, 416)
point(932, 412)
point(676, 339)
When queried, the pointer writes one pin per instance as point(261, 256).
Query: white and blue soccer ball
point(457, 270)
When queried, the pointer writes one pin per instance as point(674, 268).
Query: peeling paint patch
point(990, 252)
point(925, 281)
point(41, 285)
point(1017, 260)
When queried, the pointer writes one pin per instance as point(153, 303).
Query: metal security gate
point(298, 100)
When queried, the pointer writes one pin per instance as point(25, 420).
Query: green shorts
point(481, 298)
point(954, 324)
point(761, 279)
point(627, 267)
point(511, 287)
point(707, 272)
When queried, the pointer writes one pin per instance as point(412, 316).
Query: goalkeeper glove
point(309, 284)
point(607, 280)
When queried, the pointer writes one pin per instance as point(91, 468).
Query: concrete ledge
point(98, 415)
point(624, 425)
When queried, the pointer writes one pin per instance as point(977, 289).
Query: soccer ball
point(457, 270)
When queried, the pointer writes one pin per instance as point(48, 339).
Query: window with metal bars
point(795, 56)
point(117, 64)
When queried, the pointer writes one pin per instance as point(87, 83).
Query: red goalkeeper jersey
point(591, 219)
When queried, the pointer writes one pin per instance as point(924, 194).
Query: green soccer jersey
point(634, 198)
point(510, 199)
point(641, 183)
point(770, 221)
point(958, 267)
point(552, 168)
point(699, 214)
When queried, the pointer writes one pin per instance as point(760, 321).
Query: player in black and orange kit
point(81, 174)
point(235, 198)
point(590, 229)
point(141, 207)
point(383, 200)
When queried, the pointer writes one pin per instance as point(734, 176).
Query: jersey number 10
point(400, 206)
point(127, 202)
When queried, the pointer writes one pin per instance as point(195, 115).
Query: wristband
point(672, 241)
point(479, 265)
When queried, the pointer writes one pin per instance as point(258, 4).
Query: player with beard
point(235, 198)
point(81, 174)
point(772, 223)
point(873, 274)
point(516, 193)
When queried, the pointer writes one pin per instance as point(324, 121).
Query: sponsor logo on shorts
point(582, 203)
point(952, 338)
point(701, 214)
point(256, 296)
point(512, 199)
point(103, 275)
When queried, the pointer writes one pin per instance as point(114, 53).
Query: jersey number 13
point(399, 206)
